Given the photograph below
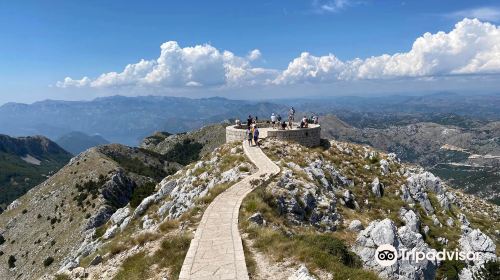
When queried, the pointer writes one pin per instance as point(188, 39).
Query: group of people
point(304, 123)
point(252, 130)
point(276, 122)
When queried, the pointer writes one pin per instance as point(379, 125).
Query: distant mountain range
point(125, 120)
point(76, 142)
point(25, 162)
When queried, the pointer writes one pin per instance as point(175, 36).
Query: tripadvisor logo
point(386, 255)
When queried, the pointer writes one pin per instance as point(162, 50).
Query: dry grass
point(169, 225)
point(145, 237)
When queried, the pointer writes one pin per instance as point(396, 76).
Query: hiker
point(279, 118)
point(238, 123)
point(256, 119)
point(273, 120)
point(315, 119)
point(250, 136)
point(249, 121)
point(256, 136)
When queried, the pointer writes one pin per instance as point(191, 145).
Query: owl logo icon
point(386, 255)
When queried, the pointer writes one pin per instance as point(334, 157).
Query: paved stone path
point(216, 251)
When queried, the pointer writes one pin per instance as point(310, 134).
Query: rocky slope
point(79, 197)
point(467, 157)
point(323, 216)
point(331, 207)
point(25, 162)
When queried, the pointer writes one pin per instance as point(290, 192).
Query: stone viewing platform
point(309, 137)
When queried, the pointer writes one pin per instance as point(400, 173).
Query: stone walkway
point(216, 251)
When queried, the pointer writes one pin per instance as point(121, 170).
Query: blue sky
point(42, 42)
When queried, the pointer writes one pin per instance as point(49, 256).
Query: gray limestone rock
point(377, 188)
point(257, 219)
point(385, 232)
point(302, 273)
point(410, 219)
point(355, 226)
point(118, 189)
point(111, 232)
point(120, 215)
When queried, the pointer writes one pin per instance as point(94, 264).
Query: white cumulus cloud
point(471, 47)
point(201, 65)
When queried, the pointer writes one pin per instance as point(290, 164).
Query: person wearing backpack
point(256, 136)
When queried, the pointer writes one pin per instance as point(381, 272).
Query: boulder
point(96, 260)
point(257, 219)
point(410, 219)
point(111, 232)
point(302, 273)
point(348, 199)
point(377, 188)
point(146, 202)
point(356, 226)
point(384, 167)
point(101, 217)
point(450, 222)
point(120, 215)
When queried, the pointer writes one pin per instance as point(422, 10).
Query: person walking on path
point(249, 136)
point(256, 136)
point(273, 120)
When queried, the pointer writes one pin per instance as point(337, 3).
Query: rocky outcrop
point(385, 232)
point(410, 219)
point(257, 219)
point(302, 202)
point(377, 188)
point(101, 217)
point(118, 189)
point(474, 241)
point(416, 188)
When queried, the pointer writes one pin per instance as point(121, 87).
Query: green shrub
point(489, 271)
point(48, 261)
point(142, 192)
point(450, 269)
point(12, 261)
point(185, 152)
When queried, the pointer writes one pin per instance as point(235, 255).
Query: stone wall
point(309, 137)
point(235, 134)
